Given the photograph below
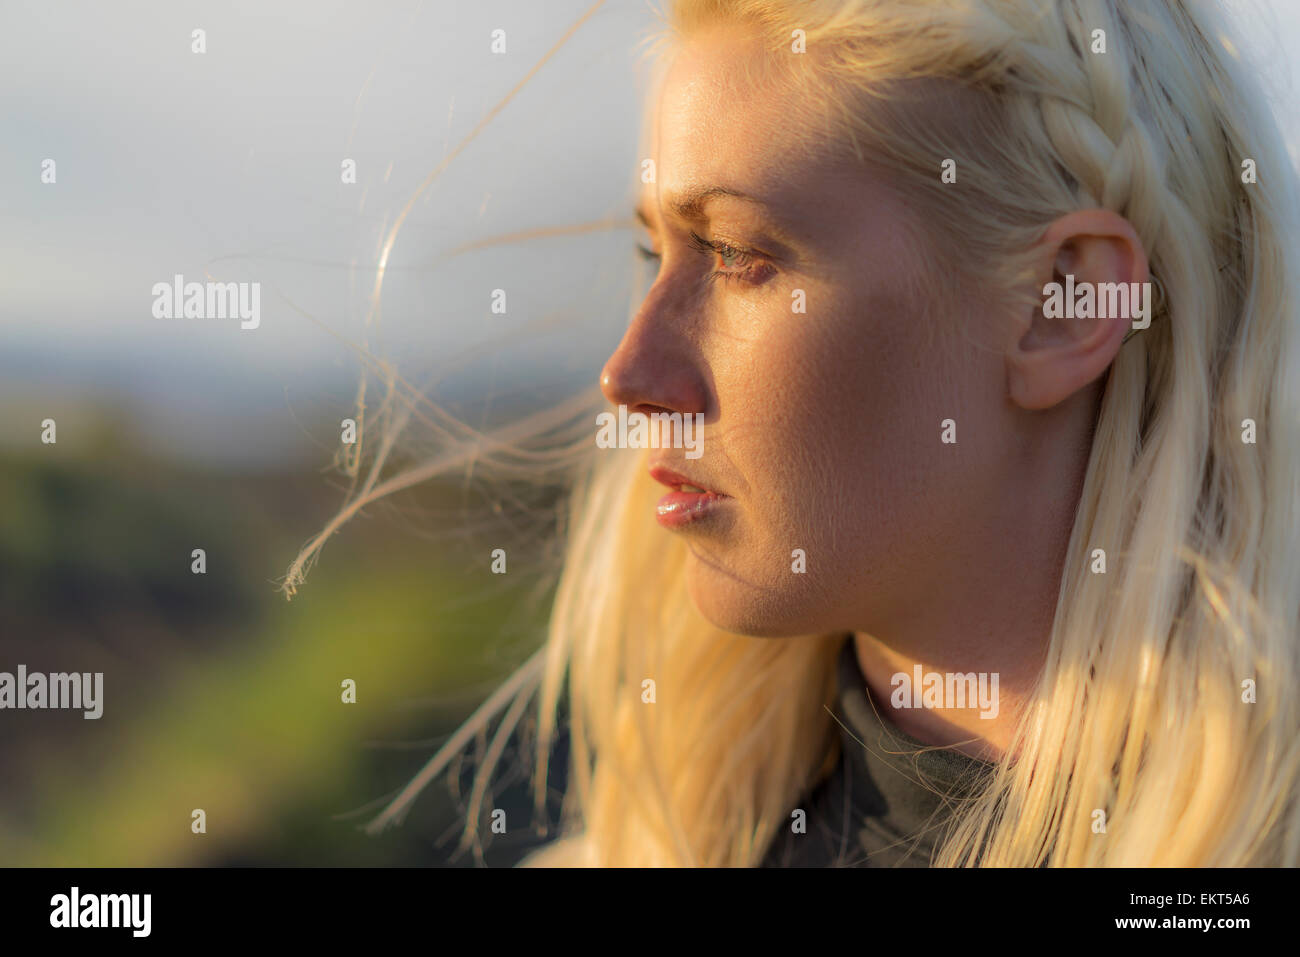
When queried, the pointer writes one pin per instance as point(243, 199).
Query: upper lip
point(675, 480)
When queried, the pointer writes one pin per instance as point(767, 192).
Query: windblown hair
point(1170, 697)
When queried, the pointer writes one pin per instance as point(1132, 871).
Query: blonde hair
point(1143, 709)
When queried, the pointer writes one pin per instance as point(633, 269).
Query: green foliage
point(239, 709)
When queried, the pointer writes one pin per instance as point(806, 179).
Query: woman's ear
point(1094, 282)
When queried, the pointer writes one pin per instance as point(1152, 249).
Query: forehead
point(729, 112)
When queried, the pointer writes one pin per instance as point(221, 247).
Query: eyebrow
point(690, 205)
point(779, 243)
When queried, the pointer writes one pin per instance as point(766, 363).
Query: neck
point(986, 610)
point(982, 729)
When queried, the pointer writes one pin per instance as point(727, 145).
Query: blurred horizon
point(227, 165)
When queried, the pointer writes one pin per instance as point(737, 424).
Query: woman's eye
point(646, 253)
point(735, 264)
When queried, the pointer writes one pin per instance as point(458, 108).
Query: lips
point(676, 480)
point(689, 501)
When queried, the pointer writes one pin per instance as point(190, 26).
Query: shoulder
point(820, 830)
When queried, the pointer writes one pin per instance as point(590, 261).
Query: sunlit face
point(823, 427)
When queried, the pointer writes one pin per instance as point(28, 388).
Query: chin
point(728, 602)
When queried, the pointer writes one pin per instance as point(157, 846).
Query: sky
point(226, 165)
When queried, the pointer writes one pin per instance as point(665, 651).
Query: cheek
point(834, 418)
point(843, 453)
point(851, 403)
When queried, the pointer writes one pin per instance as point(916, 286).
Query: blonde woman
point(929, 463)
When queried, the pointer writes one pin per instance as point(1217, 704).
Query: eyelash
point(742, 258)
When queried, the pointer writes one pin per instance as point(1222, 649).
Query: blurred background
point(176, 434)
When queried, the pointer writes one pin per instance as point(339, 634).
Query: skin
point(823, 428)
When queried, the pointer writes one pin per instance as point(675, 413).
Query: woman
point(970, 569)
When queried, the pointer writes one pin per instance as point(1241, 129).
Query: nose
point(656, 366)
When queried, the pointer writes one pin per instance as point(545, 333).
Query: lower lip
point(681, 508)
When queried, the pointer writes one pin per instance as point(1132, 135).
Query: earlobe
point(1094, 287)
